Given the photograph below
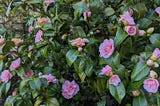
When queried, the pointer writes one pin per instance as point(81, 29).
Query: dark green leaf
point(139, 101)
point(71, 56)
point(155, 40)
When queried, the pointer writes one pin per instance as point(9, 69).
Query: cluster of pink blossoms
point(79, 42)
point(69, 89)
point(107, 71)
point(130, 26)
point(153, 59)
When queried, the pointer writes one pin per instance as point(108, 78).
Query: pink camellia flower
point(79, 42)
point(38, 37)
point(17, 41)
point(69, 89)
point(107, 70)
point(85, 15)
point(30, 29)
point(15, 64)
point(158, 10)
point(156, 53)
point(151, 85)
point(49, 78)
point(48, 2)
point(131, 30)
point(153, 74)
point(114, 80)
point(43, 20)
point(141, 32)
point(89, 14)
point(1, 41)
point(14, 93)
point(5, 76)
point(127, 19)
point(106, 48)
point(28, 74)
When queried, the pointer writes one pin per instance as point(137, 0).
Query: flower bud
point(141, 32)
point(150, 62)
point(156, 65)
point(150, 30)
point(153, 74)
point(136, 93)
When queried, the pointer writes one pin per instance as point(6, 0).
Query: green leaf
point(52, 102)
point(82, 76)
point(38, 101)
point(8, 46)
point(1, 65)
point(139, 101)
point(121, 35)
point(9, 101)
point(8, 9)
point(102, 103)
point(118, 92)
point(140, 71)
point(8, 85)
point(78, 32)
point(155, 40)
point(71, 56)
point(24, 83)
point(89, 70)
point(34, 1)
point(37, 82)
point(79, 8)
point(144, 23)
point(101, 85)
point(109, 11)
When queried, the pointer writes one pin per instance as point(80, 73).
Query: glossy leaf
point(71, 56)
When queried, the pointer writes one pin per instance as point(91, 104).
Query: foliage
point(56, 54)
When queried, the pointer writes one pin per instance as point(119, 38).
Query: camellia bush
point(81, 52)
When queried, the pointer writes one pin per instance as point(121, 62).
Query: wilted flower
point(28, 74)
point(5, 76)
point(17, 41)
point(131, 30)
point(106, 48)
point(43, 20)
point(38, 37)
point(79, 42)
point(127, 19)
point(136, 93)
point(151, 85)
point(107, 70)
point(114, 80)
point(49, 78)
point(69, 89)
point(15, 64)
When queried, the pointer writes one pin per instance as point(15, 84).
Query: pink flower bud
point(30, 29)
point(131, 30)
point(156, 53)
point(14, 93)
point(107, 70)
point(1, 41)
point(158, 10)
point(127, 19)
point(49, 78)
point(89, 14)
point(28, 74)
point(153, 74)
point(141, 32)
point(48, 2)
point(85, 15)
point(130, 11)
point(156, 65)
point(80, 48)
point(43, 20)
point(38, 37)
point(150, 62)
point(114, 80)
